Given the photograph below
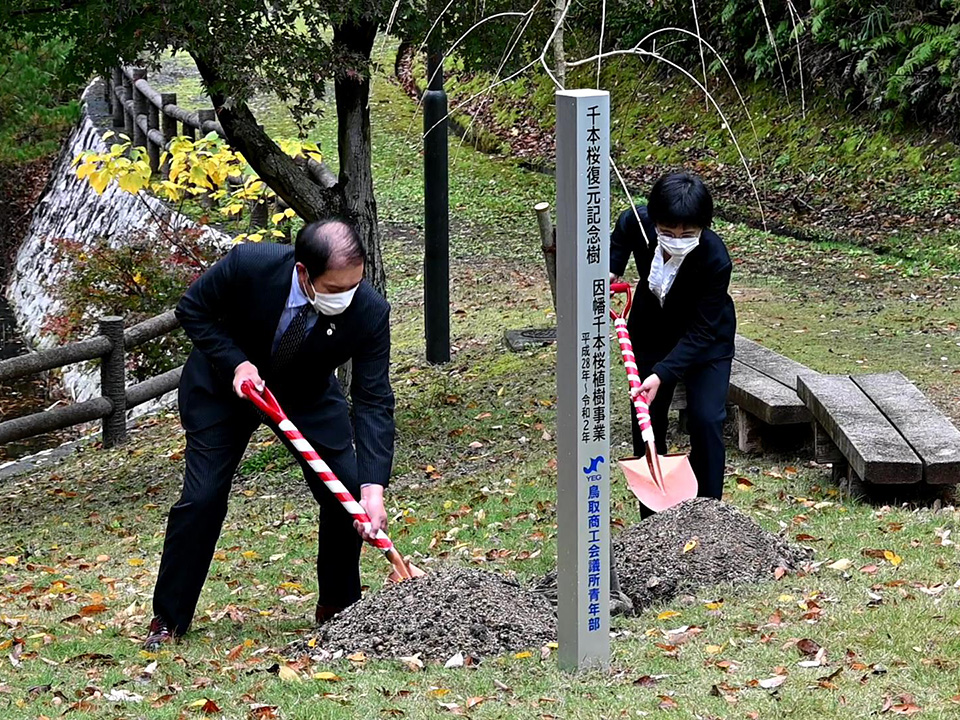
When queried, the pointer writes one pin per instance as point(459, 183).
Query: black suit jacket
point(231, 313)
point(697, 323)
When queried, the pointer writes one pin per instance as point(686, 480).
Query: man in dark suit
point(683, 321)
point(287, 317)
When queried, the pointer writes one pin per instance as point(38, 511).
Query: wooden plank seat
point(927, 430)
point(763, 387)
point(871, 446)
point(883, 429)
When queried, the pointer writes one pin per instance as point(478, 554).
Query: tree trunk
point(352, 87)
point(290, 180)
point(559, 56)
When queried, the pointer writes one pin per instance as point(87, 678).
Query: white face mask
point(333, 303)
point(678, 247)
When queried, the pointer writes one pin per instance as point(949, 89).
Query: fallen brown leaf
point(905, 709)
point(646, 681)
point(210, 708)
point(667, 703)
point(89, 610)
point(161, 700)
point(264, 712)
point(808, 647)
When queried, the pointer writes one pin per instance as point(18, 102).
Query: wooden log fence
point(151, 119)
point(110, 347)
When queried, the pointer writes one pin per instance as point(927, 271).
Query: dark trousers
point(707, 387)
point(212, 456)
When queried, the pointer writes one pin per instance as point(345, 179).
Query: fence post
point(153, 123)
point(128, 114)
point(113, 382)
point(279, 206)
point(118, 111)
point(205, 199)
point(205, 116)
point(139, 108)
point(168, 125)
point(258, 213)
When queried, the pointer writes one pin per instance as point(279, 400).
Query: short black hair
point(680, 199)
point(329, 244)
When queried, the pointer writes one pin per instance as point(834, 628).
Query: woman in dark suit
point(683, 321)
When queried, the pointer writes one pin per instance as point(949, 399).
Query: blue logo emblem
point(594, 463)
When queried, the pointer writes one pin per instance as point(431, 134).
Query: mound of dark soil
point(450, 610)
point(699, 543)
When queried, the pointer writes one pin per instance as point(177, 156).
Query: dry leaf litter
point(450, 610)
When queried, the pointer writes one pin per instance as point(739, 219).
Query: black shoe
point(159, 634)
point(325, 613)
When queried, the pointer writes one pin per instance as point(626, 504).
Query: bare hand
point(246, 371)
point(371, 498)
point(650, 387)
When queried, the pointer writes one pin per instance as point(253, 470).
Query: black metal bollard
point(436, 257)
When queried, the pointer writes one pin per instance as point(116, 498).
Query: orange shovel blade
point(679, 481)
point(412, 570)
point(403, 569)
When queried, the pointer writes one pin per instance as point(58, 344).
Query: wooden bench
point(763, 388)
point(881, 429)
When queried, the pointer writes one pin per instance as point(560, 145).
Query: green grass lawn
point(474, 473)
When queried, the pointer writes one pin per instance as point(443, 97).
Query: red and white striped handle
point(266, 402)
point(639, 398)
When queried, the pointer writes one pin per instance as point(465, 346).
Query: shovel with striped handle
point(658, 482)
point(266, 402)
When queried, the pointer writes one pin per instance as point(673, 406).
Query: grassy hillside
point(823, 173)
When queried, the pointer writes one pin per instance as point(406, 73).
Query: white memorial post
point(583, 368)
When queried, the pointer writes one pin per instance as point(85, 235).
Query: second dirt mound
point(696, 544)
point(450, 610)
